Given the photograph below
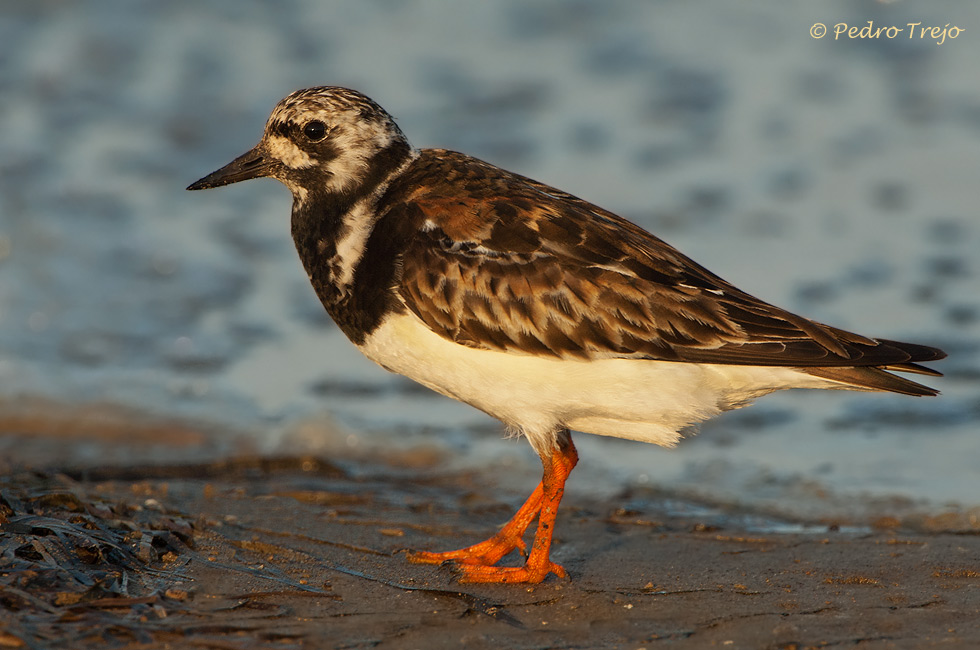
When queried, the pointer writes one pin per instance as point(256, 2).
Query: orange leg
point(477, 561)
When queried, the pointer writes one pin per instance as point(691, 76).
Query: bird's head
point(324, 139)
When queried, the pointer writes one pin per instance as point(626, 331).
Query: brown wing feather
point(503, 262)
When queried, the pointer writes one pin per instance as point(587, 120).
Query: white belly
point(642, 400)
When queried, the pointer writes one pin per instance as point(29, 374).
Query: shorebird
point(545, 311)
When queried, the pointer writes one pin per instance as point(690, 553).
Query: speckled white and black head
point(327, 140)
point(337, 151)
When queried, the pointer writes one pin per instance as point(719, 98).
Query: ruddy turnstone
point(541, 309)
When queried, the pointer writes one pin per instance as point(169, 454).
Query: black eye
point(315, 130)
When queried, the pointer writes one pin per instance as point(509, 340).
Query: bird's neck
point(333, 236)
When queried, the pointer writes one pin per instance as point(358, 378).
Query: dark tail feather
point(878, 377)
point(872, 378)
point(912, 367)
point(915, 351)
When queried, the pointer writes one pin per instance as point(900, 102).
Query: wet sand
point(306, 553)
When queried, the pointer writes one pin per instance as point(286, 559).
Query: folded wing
point(519, 266)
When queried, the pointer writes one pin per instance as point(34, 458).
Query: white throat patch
point(358, 224)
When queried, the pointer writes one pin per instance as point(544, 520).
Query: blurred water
point(835, 178)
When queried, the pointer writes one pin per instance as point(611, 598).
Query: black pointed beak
point(253, 164)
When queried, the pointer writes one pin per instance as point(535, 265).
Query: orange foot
point(476, 563)
point(491, 551)
point(526, 574)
